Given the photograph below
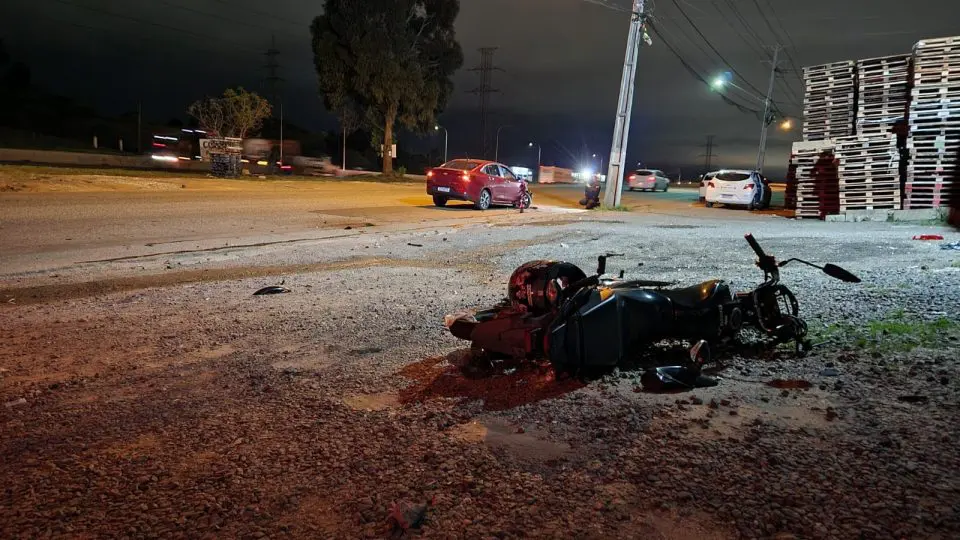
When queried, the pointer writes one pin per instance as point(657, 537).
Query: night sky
point(561, 62)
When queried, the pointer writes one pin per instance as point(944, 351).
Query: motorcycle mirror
point(835, 271)
point(700, 353)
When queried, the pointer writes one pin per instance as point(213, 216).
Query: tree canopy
point(235, 114)
point(387, 61)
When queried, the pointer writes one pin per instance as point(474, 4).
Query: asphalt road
point(97, 220)
point(50, 222)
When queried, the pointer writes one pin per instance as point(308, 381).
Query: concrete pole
point(761, 153)
point(496, 153)
point(621, 129)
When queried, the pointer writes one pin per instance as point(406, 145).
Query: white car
point(644, 179)
point(738, 188)
point(702, 195)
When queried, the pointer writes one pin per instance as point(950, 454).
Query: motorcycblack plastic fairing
point(608, 325)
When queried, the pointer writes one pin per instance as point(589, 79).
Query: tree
point(235, 114)
point(390, 60)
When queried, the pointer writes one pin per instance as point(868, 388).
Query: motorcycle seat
point(694, 297)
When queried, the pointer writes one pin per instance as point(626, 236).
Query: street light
point(446, 138)
point(600, 168)
point(786, 125)
point(496, 155)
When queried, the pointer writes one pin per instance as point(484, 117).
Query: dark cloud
point(561, 62)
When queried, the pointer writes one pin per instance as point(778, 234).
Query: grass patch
point(617, 208)
point(955, 264)
point(897, 332)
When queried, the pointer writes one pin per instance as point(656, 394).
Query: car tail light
point(651, 178)
point(748, 186)
point(466, 177)
point(632, 176)
point(429, 174)
point(701, 184)
point(711, 184)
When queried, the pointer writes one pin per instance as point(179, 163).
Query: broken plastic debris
point(668, 378)
point(273, 289)
point(928, 237)
point(15, 403)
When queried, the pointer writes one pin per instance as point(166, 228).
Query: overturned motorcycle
point(587, 323)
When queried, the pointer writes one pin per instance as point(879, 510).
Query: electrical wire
point(714, 49)
point(693, 71)
point(746, 25)
point(741, 35)
point(233, 5)
point(778, 37)
point(144, 21)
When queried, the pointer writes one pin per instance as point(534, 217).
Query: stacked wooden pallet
point(828, 101)
point(817, 179)
point(934, 120)
point(790, 193)
point(868, 167)
point(883, 91)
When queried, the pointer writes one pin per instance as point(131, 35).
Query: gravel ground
point(182, 406)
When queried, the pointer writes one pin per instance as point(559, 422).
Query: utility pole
point(708, 155)
point(767, 115)
point(281, 132)
point(621, 129)
point(496, 152)
point(273, 79)
point(486, 88)
point(139, 127)
point(343, 164)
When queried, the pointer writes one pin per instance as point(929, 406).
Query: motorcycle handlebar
point(755, 245)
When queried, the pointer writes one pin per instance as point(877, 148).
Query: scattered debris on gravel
point(192, 409)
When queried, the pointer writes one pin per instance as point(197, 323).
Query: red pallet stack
point(818, 180)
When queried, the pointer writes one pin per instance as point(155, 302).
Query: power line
point(694, 72)
point(141, 21)
point(233, 5)
point(741, 35)
point(714, 49)
point(746, 25)
point(776, 35)
point(218, 16)
point(102, 31)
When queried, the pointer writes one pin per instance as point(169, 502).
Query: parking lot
point(148, 393)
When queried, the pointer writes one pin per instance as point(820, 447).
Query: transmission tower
point(486, 88)
point(708, 154)
point(273, 80)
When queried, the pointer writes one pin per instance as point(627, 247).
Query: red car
point(484, 183)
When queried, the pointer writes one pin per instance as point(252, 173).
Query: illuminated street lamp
point(786, 125)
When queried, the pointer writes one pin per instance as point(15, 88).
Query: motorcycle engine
point(535, 286)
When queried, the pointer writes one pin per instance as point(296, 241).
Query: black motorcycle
point(578, 322)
